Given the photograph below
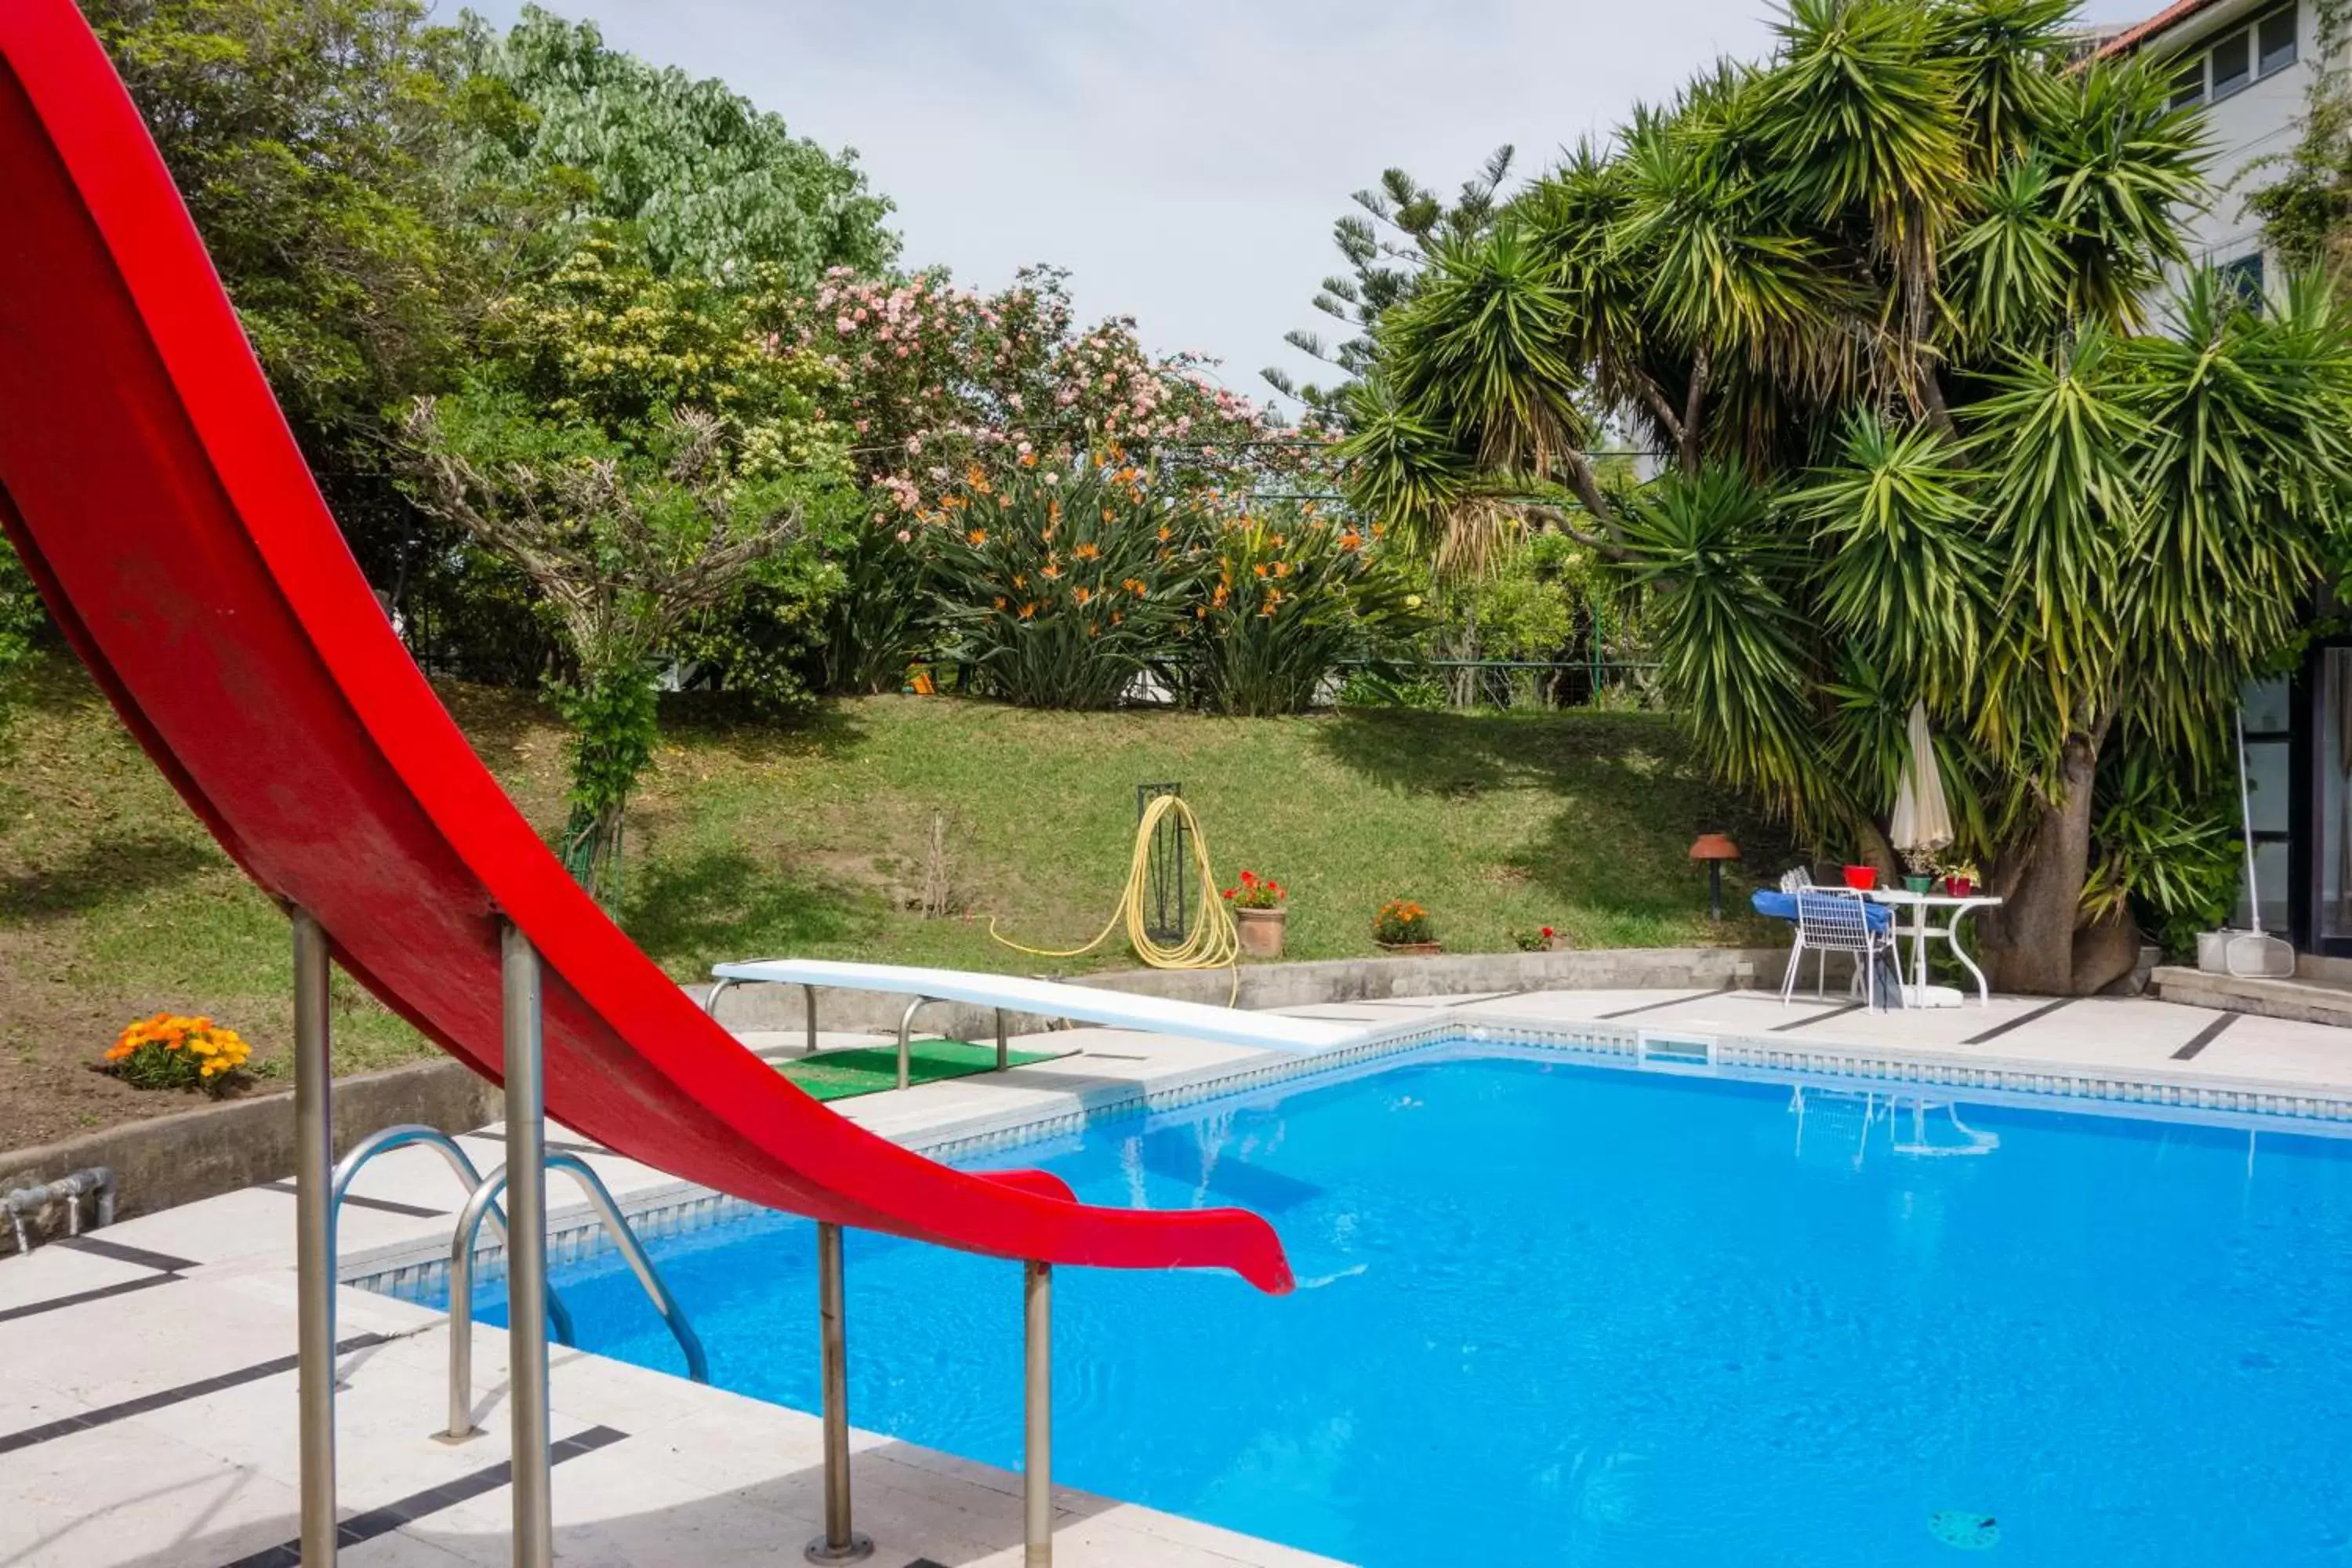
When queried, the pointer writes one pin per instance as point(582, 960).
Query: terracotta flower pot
point(1261, 930)
point(1411, 949)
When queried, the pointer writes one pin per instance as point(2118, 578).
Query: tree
point(1879, 304)
point(311, 140)
point(637, 448)
point(627, 545)
point(1387, 247)
point(712, 184)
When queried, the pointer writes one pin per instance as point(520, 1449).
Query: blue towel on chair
point(1783, 907)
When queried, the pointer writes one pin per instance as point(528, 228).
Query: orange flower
point(1082, 593)
point(1165, 533)
point(976, 538)
point(1000, 601)
point(1049, 570)
point(1028, 612)
point(1086, 552)
point(1351, 540)
point(1259, 568)
point(1281, 568)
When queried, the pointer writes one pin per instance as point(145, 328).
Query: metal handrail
point(460, 1164)
point(461, 1283)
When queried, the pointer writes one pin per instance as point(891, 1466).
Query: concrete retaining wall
point(214, 1149)
point(780, 1007)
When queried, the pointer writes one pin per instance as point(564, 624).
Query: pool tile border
point(682, 1207)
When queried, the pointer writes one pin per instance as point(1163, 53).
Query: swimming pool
point(1561, 1313)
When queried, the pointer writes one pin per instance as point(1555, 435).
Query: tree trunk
point(2029, 941)
point(2105, 952)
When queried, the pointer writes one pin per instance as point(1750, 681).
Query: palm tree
point(1881, 304)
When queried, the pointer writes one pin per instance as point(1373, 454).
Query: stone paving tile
point(126, 1495)
point(49, 1273)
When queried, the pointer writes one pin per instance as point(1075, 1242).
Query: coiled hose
point(1211, 941)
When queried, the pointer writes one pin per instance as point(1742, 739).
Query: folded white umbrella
point(1923, 822)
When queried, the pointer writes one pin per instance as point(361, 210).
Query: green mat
point(869, 1069)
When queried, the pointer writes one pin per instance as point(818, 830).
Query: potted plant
point(1260, 913)
point(1543, 939)
point(1402, 927)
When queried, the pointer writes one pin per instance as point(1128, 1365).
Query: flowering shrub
point(1537, 940)
point(1295, 593)
point(1060, 584)
point(1400, 922)
point(932, 377)
point(1255, 892)
point(169, 1051)
point(929, 379)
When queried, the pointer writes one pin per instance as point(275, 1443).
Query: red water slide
point(152, 488)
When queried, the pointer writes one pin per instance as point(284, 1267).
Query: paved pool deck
point(146, 1371)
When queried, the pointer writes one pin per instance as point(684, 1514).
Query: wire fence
point(1507, 684)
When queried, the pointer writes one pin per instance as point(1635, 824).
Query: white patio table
point(1919, 931)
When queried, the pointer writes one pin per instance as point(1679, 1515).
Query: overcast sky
point(1185, 158)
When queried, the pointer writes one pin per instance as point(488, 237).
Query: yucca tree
point(1882, 304)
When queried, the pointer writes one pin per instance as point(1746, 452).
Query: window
point(2189, 82)
point(2233, 63)
point(2274, 41)
point(2238, 56)
point(2243, 277)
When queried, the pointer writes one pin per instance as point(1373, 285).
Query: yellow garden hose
point(1213, 942)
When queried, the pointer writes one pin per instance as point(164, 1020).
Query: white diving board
point(1043, 998)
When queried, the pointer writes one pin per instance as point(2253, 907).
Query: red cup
point(1861, 879)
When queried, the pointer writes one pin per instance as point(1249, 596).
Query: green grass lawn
point(811, 840)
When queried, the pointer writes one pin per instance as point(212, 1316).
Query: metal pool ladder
point(481, 1204)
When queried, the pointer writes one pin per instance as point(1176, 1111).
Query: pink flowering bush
point(932, 377)
point(931, 382)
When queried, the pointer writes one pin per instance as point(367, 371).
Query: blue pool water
point(1578, 1315)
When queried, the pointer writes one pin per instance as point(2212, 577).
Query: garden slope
point(755, 840)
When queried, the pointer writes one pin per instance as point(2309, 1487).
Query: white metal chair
point(1795, 881)
point(1837, 921)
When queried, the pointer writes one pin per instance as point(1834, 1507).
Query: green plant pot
point(1918, 884)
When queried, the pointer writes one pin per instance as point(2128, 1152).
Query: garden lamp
point(1715, 848)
